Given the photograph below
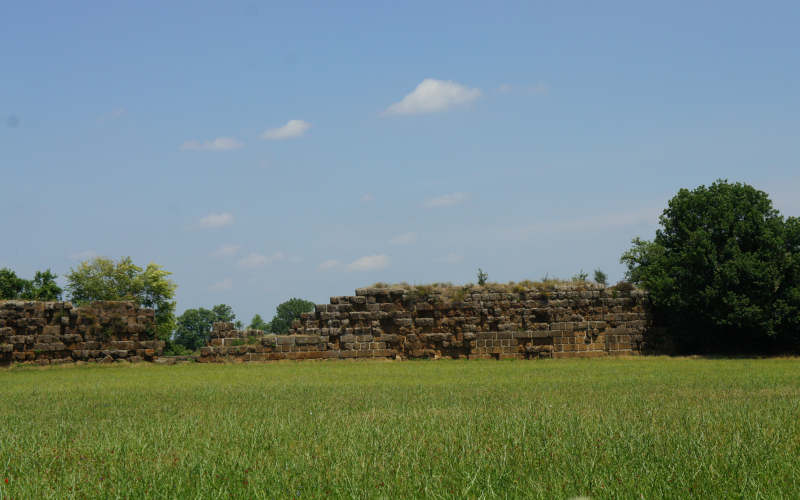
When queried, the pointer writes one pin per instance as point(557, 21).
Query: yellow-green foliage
point(631, 428)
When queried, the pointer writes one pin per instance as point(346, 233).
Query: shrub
point(482, 277)
point(600, 277)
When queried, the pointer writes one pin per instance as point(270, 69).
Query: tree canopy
point(258, 323)
point(194, 325)
point(723, 271)
point(42, 287)
point(289, 311)
point(104, 279)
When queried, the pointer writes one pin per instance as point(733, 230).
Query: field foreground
point(651, 427)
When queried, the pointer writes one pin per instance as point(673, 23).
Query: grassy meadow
point(624, 428)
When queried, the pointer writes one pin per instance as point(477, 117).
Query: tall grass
point(651, 427)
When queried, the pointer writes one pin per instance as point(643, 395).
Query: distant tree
point(482, 277)
point(723, 271)
point(289, 311)
point(42, 287)
point(224, 312)
point(104, 279)
point(11, 286)
point(194, 326)
point(600, 277)
point(258, 323)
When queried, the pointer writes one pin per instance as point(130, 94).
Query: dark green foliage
point(174, 349)
point(600, 277)
point(289, 311)
point(194, 325)
point(482, 277)
point(258, 323)
point(723, 270)
point(11, 286)
point(42, 287)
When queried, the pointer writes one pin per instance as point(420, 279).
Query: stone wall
point(502, 323)
point(56, 332)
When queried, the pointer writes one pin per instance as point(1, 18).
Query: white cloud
point(85, 255)
point(367, 197)
point(404, 239)
point(433, 95)
point(330, 264)
point(369, 263)
point(254, 260)
point(292, 129)
point(216, 220)
point(218, 144)
point(447, 200)
point(222, 286)
point(452, 258)
point(226, 251)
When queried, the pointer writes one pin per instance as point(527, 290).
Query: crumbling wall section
point(564, 321)
point(57, 332)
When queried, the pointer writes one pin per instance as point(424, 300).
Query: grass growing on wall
point(651, 427)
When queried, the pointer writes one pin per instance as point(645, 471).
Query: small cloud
point(330, 264)
point(369, 263)
point(452, 258)
point(433, 95)
point(218, 144)
point(539, 88)
point(505, 88)
point(12, 121)
point(446, 200)
point(292, 129)
point(226, 251)
point(404, 239)
point(294, 259)
point(367, 197)
point(222, 286)
point(255, 260)
point(211, 221)
point(113, 115)
point(85, 255)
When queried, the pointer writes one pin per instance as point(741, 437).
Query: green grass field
point(648, 427)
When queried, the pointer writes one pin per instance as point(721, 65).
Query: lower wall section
point(567, 321)
point(56, 332)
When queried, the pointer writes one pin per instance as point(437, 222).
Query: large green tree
point(723, 271)
point(289, 311)
point(42, 287)
point(104, 279)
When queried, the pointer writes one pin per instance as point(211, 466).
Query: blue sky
point(261, 151)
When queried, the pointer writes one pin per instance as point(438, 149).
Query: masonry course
point(49, 333)
point(564, 321)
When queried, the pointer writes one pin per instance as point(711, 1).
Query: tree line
point(102, 278)
point(722, 275)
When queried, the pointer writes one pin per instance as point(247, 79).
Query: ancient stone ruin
point(56, 332)
point(502, 322)
point(562, 321)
